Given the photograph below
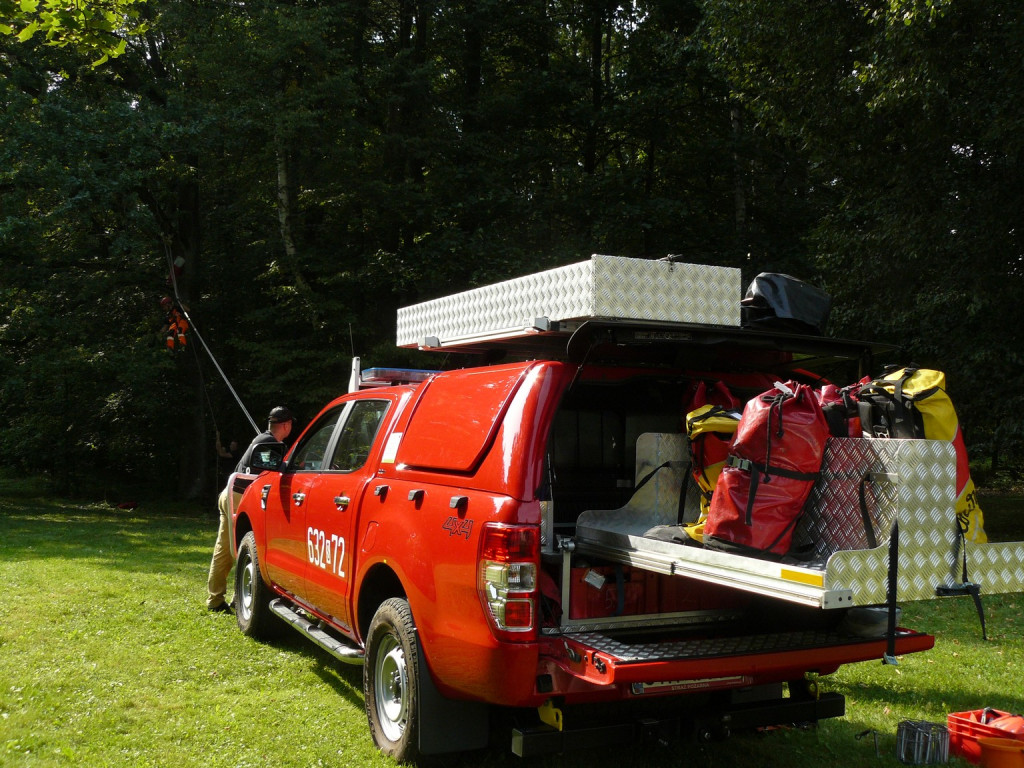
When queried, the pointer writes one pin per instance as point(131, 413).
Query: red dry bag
point(773, 462)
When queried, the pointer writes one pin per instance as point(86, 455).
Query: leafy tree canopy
point(100, 28)
point(302, 169)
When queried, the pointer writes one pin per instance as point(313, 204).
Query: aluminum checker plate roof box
point(604, 287)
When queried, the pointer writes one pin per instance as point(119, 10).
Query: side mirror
point(267, 457)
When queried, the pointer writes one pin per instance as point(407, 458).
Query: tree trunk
point(739, 178)
point(596, 45)
point(472, 66)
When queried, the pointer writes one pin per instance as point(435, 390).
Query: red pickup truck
point(499, 538)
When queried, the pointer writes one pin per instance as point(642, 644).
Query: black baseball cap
point(279, 415)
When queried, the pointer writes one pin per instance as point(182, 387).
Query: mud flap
point(448, 725)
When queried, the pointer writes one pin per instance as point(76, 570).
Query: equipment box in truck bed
point(509, 535)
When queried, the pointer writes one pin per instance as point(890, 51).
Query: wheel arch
point(242, 526)
point(378, 584)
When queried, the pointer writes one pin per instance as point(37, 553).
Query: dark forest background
point(312, 166)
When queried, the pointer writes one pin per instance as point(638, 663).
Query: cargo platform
point(906, 481)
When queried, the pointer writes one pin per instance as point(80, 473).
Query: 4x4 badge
point(457, 527)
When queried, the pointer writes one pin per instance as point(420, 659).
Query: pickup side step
point(339, 649)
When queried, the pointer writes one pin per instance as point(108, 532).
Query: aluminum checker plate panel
point(604, 287)
point(911, 481)
point(929, 543)
point(704, 648)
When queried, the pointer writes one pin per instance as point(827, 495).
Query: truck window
point(309, 453)
point(436, 440)
point(358, 434)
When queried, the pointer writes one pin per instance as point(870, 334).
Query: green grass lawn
point(109, 658)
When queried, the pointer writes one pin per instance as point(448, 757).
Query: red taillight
point(518, 615)
point(508, 577)
point(509, 542)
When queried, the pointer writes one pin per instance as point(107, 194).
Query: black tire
point(391, 681)
point(252, 595)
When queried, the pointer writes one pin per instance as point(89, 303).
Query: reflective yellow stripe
point(814, 579)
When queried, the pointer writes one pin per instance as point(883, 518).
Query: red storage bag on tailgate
point(773, 462)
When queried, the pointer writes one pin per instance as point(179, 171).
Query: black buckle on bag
point(744, 464)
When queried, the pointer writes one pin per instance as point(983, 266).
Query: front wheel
point(391, 680)
point(252, 595)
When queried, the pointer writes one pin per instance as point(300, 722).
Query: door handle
point(298, 498)
point(342, 502)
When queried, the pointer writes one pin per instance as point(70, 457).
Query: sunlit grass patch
point(109, 658)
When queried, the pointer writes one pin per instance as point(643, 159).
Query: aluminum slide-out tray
point(909, 481)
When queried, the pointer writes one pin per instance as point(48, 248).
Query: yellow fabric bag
point(912, 402)
point(710, 430)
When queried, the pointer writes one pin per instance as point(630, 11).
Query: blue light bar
point(384, 376)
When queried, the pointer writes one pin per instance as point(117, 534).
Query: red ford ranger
point(481, 539)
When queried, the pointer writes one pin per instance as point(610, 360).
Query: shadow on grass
point(134, 540)
point(957, 696)
point(345, 679)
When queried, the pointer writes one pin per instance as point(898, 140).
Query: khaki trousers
point(223, 556)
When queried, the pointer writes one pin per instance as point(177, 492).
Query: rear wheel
point(252, 595)
point(391, 681)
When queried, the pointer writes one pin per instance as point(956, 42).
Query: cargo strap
point(890, 593)
point(869, 527)
point(646, 478)
point(966, 587)
point(682, 491)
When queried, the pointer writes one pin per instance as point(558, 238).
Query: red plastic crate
point(965, 728)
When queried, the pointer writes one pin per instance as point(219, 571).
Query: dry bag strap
point(681, 506)
point(766, 469)
point(714, 410)
point(899, 406)
point(756, 470)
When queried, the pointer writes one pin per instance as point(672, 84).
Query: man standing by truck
point(279, 426)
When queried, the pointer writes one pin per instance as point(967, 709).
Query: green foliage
point(94, 28)
point(909, 126)
point(316, 166)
